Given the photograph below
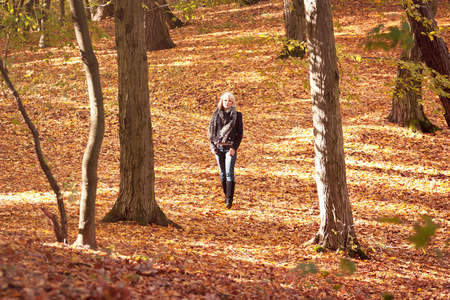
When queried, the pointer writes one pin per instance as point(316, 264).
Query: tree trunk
point(336, 228)
point(156, 32)
point(407, 110)
point(87, 9)
point(43, 41)
point(171, 20)
point(62, 11)
point(60, 230)
point(136, 199)
point(434, 50)
point(295, 20)
point(86, 227)
point(104, 9)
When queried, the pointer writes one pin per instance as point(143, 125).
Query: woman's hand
point(232, 152)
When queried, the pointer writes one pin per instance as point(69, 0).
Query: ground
point(256, 250)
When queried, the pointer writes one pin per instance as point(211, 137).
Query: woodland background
point(257, 249)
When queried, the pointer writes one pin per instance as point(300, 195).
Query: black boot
point(224, 186)
point(229, 194)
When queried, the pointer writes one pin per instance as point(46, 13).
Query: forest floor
point(256, 250)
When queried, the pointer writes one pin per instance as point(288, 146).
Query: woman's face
point(227, 103)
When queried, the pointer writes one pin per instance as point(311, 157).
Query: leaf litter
point(257, 249)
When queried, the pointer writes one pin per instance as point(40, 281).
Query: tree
point(104, 9)
point(336, 230)
point(171, 20)
point(86, 230)
point(295, 26)
point(155, 17)
point(432, 46)
point(407, 109)
point(87, 8)
point(62, 11)
point(42, 19)
point(60, 230)
point(86, 227)
point(294, 19)
point(156, 32)
point(136, 199)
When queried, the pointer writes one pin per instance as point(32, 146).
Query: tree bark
point(171, 20)
point(136, 199)
point(407, 110)
point(336, 220)
point(104, 9)
point(87, 9)
point(62, 11)
point(86, 227)
point(43, 41)
point(156, 32)
point(434, 50)
point(295, 20)
point(60, 230)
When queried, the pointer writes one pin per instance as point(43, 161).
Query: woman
point(225, 136)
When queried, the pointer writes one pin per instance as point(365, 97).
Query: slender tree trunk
point(136, 199)
point(407, 110)
point(30, 6)
point(156, 32)
point(434, 50)
point(60, 230)
point(294, 19)
point(43, 41)
point(87, 9)
point(62, 11)
point(86, 228)
point(336, 228)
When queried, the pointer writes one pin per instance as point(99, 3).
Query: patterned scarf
point(226, 127)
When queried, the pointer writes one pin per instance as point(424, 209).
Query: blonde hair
point(226, 95)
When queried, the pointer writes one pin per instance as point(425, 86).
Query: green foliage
point(303, 269)
point(421, 238)
point(16, 121)
point(70, 188)
point(423, 234)
point(386, 40)
point(19, 26)
point(319, 249)
point(434, 81)
point(386, 296)
point(431, 28)
point(347, 267)
point(15, 21)
point(376, 39)
point(292, 48)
